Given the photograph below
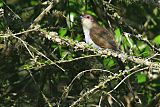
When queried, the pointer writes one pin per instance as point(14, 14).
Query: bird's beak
point(81, 17)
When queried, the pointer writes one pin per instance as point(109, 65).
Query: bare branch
point(45, 11)
point(26, 45)
point(104, 53)
point(102, 84)
point(139, 37)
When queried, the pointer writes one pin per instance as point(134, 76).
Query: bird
point(96, 35)
point(100, 38)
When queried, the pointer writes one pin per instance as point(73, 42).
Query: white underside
point(88, 38)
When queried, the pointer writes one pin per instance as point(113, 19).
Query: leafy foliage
point(38, 69)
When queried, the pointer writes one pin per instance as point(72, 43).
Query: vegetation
point(44, 60)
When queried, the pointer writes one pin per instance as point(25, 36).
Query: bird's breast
point(88, 38)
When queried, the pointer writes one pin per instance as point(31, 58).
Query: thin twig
point(102, 84)
point(25, 44)
point(65, 93)
point(23, 32)
point(126, 78)
point(44, 12)
point(76, 59)
point(40, 53)
point(139, 36)
point(11, 10)
point(100, 101)
point(44, 96)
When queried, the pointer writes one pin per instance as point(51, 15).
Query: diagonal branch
point(45, 11)
point(140, 37)
point(104, 53)
point(102, 84)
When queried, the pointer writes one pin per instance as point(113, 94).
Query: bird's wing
point(103, 38)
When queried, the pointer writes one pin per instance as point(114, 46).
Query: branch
point(102, 84)
point(107, 52)
point(45, 11)
point(140, 37)
point(27, 46)
point(78, 76)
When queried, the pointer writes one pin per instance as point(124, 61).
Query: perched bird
point(100, 37)
point(96, 35)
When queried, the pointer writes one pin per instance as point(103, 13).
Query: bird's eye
point(88, 17)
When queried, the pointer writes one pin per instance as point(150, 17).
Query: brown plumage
point(96, 35)
point(102, 37)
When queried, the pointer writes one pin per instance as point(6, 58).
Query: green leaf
point(141, 78)
point(34, 2)
point(108, 62)
point(146, 51)
point(62, 32)
point(90, 12)
point(117, 32)
point(155, 11)
point(111, 63)
point(70, 56)
point(118, 35)
point(78, 37)
point(1, 4)
point(155, 85)
point(70, 19)
point(156, 40)
point(54, 46)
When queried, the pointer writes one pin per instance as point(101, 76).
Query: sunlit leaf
point(70, 19)
point(90, 12)
point(34, 2)
point(141, 78)
point(118, 35)
point(156, 40)
point(117, 32)
point(108, 62)
point(78, 37)
point(62, 32)
point(146, 52)
point(53, 45)
point(155, 11)
point(70, 56)
point(1, 4)
point(142, 49)
point(127, 44)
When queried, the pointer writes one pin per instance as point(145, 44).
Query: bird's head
point(87, 21)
